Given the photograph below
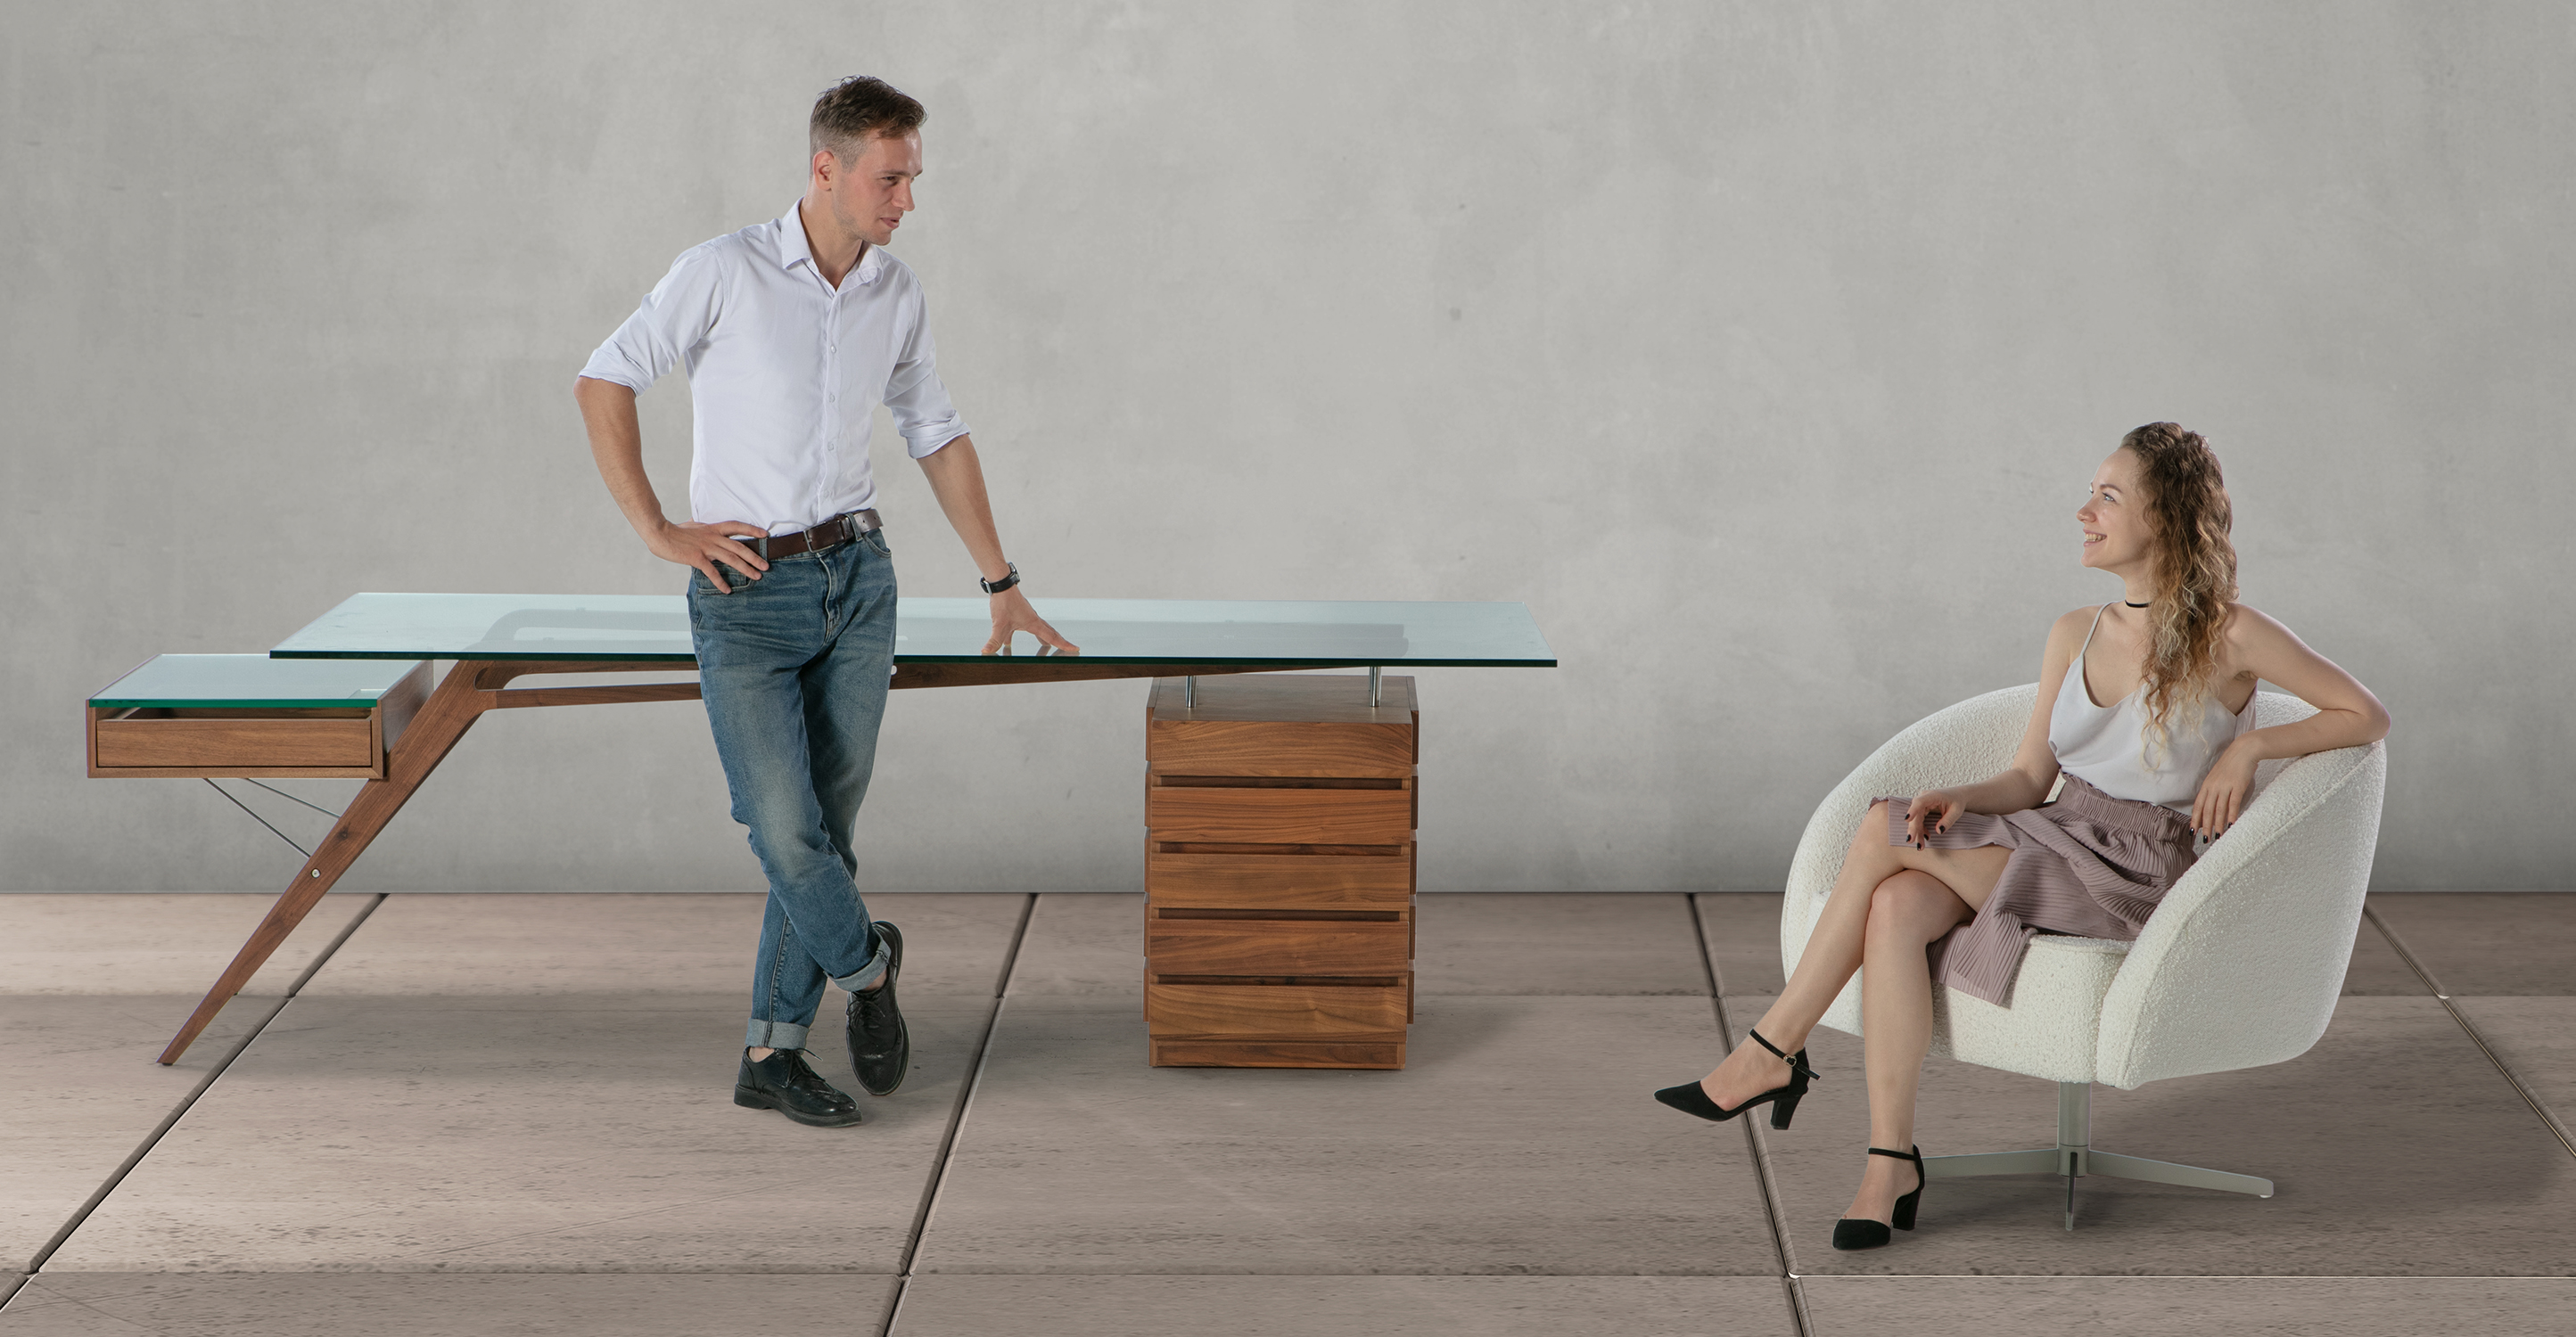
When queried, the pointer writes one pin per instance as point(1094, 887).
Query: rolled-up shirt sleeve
point(674, 318)
point(914, 396)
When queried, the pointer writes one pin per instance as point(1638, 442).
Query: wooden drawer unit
point(1279, 814)
point(249, 715)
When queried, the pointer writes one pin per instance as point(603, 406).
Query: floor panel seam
point(2548, 1119)
point(1794, 1293)
point(957, 1114)
point(81, 1215)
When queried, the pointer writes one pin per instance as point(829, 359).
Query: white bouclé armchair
point(2239, 966)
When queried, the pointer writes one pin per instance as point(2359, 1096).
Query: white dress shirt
point(785, 373)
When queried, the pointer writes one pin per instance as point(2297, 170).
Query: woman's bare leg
point(1834, 949)
point(1906, 914)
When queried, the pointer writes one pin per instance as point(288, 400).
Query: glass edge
point(568, 658)
point(228, 703)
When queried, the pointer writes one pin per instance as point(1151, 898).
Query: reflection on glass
point(1286, 633)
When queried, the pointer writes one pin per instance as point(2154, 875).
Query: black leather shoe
point(880, 1047)
point(785, 1082)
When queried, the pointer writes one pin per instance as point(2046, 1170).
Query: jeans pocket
point(699, 583)
point(876, 540)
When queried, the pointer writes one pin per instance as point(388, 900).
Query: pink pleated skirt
point(2088, 864)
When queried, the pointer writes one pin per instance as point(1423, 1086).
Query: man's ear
point(825, 165)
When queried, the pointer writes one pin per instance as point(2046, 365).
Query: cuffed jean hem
point(873, 971)
point(773, 1035)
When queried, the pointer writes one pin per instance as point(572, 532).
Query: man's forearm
point(617, 446)
point(957, 479)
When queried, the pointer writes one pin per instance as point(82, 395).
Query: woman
point(1972, 872)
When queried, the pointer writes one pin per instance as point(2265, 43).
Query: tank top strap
point(2088, 631)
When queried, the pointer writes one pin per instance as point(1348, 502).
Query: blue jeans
point(793, 668)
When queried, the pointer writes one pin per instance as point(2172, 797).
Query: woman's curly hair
point(2195, 568)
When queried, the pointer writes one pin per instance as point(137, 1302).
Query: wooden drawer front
point(1194, 1052)
point(1280, 816)
point(1260, 747)
point(1278, 946)
point(1283, 1011)
point(1279, 881)
point(245, 742)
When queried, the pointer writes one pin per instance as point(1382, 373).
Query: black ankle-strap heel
point(1852, 1233)
point(1690, 1098)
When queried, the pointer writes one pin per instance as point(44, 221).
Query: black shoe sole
point(752, 1098)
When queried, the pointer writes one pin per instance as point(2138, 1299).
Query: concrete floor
point(460, 1114)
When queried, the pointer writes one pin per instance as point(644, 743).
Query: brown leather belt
point(830, 534)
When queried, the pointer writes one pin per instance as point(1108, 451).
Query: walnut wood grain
point(1182, 746)
point(1283, 881)
point(1275, 1011)
point(518, 697)
point(1380, 1052)
point(222, 745)
point(1281, 816)
point(1277, 947)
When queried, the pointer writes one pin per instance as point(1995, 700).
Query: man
point(792, 332)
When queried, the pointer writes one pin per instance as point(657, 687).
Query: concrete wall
point(1762, 349)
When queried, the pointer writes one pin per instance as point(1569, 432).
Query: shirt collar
point(792, 250)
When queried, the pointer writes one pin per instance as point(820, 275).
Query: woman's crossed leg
point(1889, 903)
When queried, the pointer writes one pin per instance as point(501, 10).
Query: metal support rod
point(1189, 691)
point(2074, 1137)
point(1374, 671)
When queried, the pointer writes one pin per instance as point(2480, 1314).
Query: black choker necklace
point(2126, 604)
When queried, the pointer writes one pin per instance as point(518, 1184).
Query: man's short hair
point(861, 108)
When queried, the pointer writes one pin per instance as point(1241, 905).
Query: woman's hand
point(1932, 812)
point(2224, 792)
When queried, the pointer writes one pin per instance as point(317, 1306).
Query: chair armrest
point(2243, 960)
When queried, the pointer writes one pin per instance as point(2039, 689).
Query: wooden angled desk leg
point(442, 720)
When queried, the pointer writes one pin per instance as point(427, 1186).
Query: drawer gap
point(1341, 851)
point(1308, 916)
point(1274, 782)
point(230, 713)
point(1310, 981)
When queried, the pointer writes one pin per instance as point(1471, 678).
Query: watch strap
point(997, 586)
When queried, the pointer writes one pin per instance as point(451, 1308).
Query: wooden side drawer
point(1192, 1051)
point(1254, 747)
point(1282, 881)
point(1176, 810)
point(1284, 725)
point(262, 718)
point(1261, 1010)
point(237, 740)
point(1176, 944)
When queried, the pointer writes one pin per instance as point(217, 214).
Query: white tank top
point(2106, 746)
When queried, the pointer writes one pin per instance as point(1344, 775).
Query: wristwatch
point(997, 586)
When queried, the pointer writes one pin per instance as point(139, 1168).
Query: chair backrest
point(2244, 958)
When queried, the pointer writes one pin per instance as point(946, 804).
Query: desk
point(233, 721)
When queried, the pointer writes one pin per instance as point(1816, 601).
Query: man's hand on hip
point(1011, 612)
point(707, 546)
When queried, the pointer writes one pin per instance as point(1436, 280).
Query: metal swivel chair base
point(2074, 1157)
